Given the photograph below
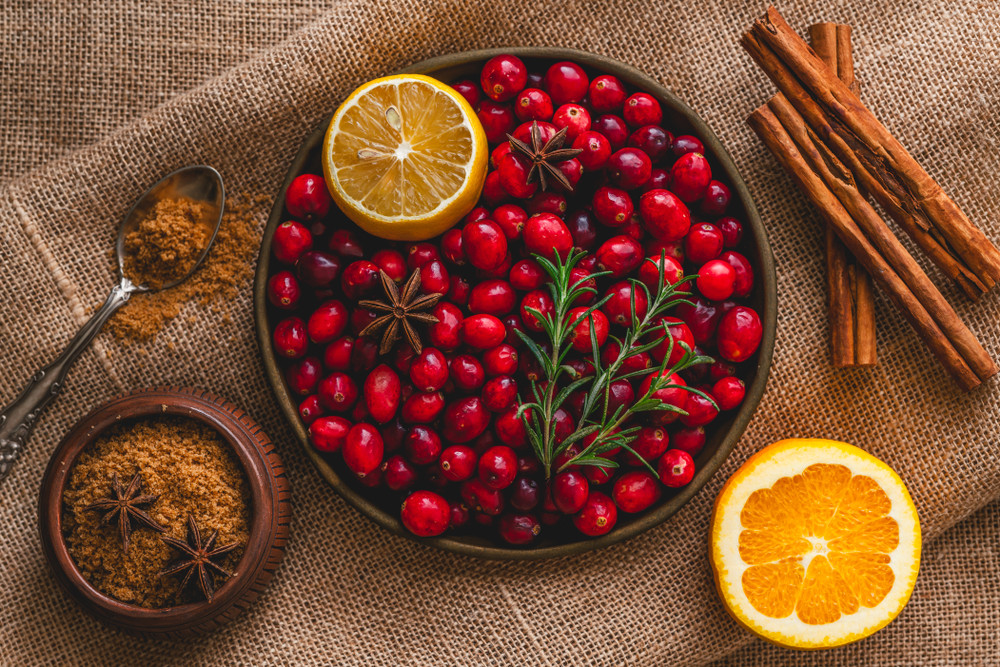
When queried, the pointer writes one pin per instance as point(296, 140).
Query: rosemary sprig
point(609, 430)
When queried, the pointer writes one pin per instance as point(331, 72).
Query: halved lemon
point(405, 157)
point(814, 543)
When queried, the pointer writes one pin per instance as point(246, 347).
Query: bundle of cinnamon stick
point(839, 153)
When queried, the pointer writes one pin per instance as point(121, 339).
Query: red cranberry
point(527, 275)
point(684, 144)
point(328, 434)
point(363, 449)
point(580, 279)
point(681, 337)
point(620, 394)
point(519, 529)
point(740, 331)
point(337, 392)
point(614, 130)
point(547, 202)
point(629, 168)
point(499, 271)
point(690, 439)
point(310, 410)
point(303, 376)
point(537, 300)
point(716, 279)
point(327, 322)
point(720, 369)
point(498, 467)
point(419, 254)
point(361, 318)
point(607, 94)
point(690, 176)
point(642, 109)
point(573, 117)
point(634, 362)
point(382, 393)
point(422, 408)
point(649, 445)
point(676, 468)
point(569, 491)
point(290, 338)
point(392, 262)
point(649, 272)
point(743, 283)
point(580, 337)
point(445, 333)
point(434, 278)
point(598, 515)
point(485, 244)
point(596, 150)
point(475, 215)
point(467, 373)
point(716, 199)
point(618, 307)
point(513, 170)
point(524, 131)
point(700, 411)
point(582, 228)
point(500, 360)
point(493, 297)
point(659, 179)
point(425, 513)
point(481, 498)
point(510, 429)
point(672, 393)
point(360, 278)
point(728, 393)
point(399, 473)
point(451, 247)
point(666, 217)
point(612, 207)
point(633, 228)
point(526, 494)
point(458, 290)
point(500, 393)
point(636, 491)
point(533, 104)
point(307, 197)
point(545, 234)
point(363, 355)
point(422, 445)
point(702, 317)
point(703, 243)
point(345, 243)
point(458, 463)
point(482, 331)
point(566, 82)
point(429, 371)
point(469, 90)
point(572, 169)
point(732, 231)
point(317, 269)
point(464, 419)
point(503, 77)
point(511, 219)
point(497, 120)
point(493, 192)
point(652, 140)
point(459, 515)
point(621, 255)
point(283, 290)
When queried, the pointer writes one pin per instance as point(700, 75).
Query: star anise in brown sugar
point(126, 506)
point(402, 310)
point(544, 157)
point(197, 559)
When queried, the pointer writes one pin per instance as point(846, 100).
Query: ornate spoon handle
point(18, 418)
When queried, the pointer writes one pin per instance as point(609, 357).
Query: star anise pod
point(544, 157)
point(197, 559)
point(126, 505)
point(402, 309)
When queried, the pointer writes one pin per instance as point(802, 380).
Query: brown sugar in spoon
point(199, 183)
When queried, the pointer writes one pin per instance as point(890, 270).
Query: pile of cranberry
point(439, 429)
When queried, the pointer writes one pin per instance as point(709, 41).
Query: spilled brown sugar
point(167, 243)
point(216, 282)
point(194, 473)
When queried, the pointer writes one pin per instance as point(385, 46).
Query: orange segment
point(814, 543)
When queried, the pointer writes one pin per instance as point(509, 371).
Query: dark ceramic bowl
point(725, 430)
point(269, 522)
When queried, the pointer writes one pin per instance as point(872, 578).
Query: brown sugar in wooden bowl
point(269, 522)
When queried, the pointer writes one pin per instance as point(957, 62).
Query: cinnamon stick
point(831, 188)
point(850, 299)
point(881, 165)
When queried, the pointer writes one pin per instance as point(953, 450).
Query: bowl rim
point(243, 437)
point(767, 282)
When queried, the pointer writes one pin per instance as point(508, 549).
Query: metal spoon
point(200, 183)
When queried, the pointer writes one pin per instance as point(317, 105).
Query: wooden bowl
point(725, 430)
point(269, 521)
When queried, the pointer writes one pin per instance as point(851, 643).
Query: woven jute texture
point(97, 100)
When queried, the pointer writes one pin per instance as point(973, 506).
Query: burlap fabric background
point(98, 99)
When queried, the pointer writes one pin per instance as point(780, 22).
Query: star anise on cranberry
point(126, 506)
point(402, 310)
point(544, 157)
point(197, 559)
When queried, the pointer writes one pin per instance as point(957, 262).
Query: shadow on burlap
point(348, 592)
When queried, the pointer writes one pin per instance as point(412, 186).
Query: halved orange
point(405, 157)
point(814, 543)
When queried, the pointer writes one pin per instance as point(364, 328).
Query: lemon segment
point(405, 157)
point(814, 544)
